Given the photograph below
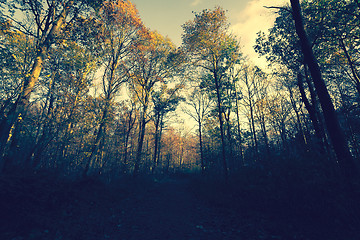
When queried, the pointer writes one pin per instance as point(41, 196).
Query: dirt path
point(173, 208)
point(169, 210)
point(145, 210)
point(165, 211)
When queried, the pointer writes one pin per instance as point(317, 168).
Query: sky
point(247, 17)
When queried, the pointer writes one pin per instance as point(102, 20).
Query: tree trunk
point(201, 148)
point(128, 126)
point(264, 132)
point(126, 144)
point(140, 140)
point(238, 127)
point(7, 128)
point(351, 65)
point(351, 134)
point(229, 138)
point(160, 137)
point(312, 114)
point(337, 137)
point(296, 110)
point(252, 125)
point(98, 140)
point(156, 141)
point(223, 145)
point(43, 129)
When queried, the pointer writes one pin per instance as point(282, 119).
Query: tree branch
point(279, 8)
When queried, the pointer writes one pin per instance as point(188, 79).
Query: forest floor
point(176, 207)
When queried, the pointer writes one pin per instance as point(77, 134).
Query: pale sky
point(247, 17)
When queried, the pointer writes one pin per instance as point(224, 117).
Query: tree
point(336, 135)
point(199, 107)
point(128, 117)
point(68, 80)
point(211, 47)
point(250, 80)
point(165, 100)
point(152, 62)
point(15, 55)
point(121, 28)
point(282, 49)
point(47, 21)
point(234, 76)
point(261, 106)
point(288, 83)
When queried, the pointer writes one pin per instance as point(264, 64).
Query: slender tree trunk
point(252, 125)
point(229, 138)
point(160, 138)
point(108, 90)
point(156, 141)
point(282, 130)
point(39, 150)
point(220, 112)
point(296, 110)
point(238, 127)
point(251, 118)
point(7, 128)
point(127, 131)
point(168, 158)
point(4, 127)
point(181, 154)
point(64, 146)
point(140, 139)
point(201, 148)
point(10, 146)
point(354, 140)
point(352, 135)
point(44, 129)
point(337, 137)
point(312, 114)
point(98, 140)
point(352, 66)
point(126, 144)
point(265, 136)
point(33, 157)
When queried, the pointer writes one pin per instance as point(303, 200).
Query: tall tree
point(121, 28)
point(199, 106)
point(47, 21)
point(70, 72)
point(154, 61)
point(336, 134)
point(213, 48)
point(165, 101)
point(128, 118)
point(234, 76)
point(250, 80)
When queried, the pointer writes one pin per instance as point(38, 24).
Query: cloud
point(196, 2)
point(254, 18)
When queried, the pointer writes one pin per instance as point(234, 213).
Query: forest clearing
point(110, 130)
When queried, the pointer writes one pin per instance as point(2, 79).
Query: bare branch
point(279, 8)
point(21, 27)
